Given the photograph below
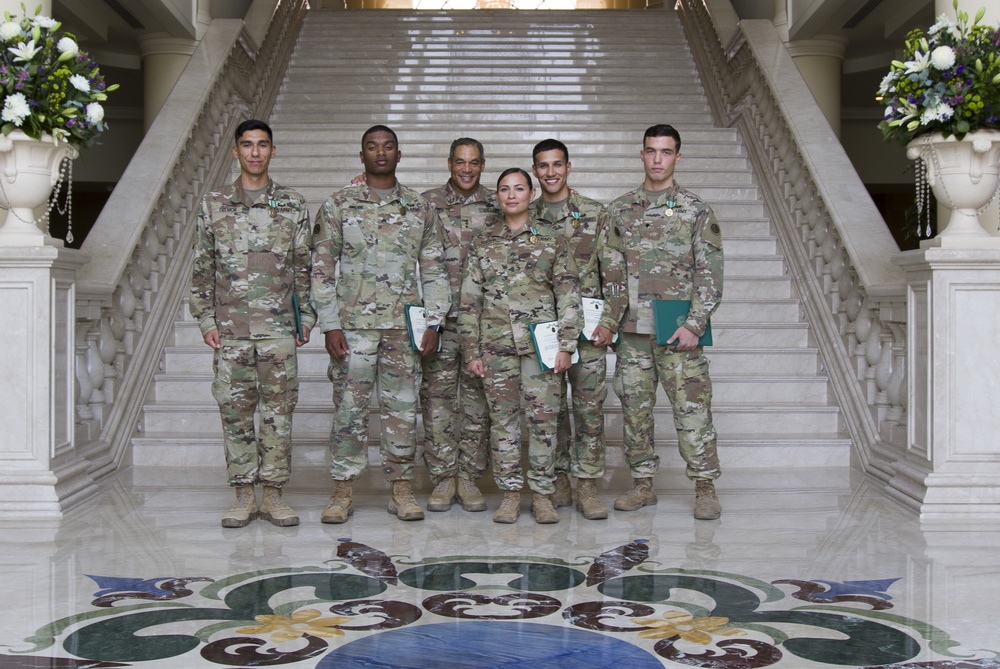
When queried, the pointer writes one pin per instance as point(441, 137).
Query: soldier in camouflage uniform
point(456, 418)
point(251, 254)
point(515, 276)
point(673, 247)
point(597, 248)
point(373, 244)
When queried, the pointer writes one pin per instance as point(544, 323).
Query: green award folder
point(670, 315)
point(298, 316)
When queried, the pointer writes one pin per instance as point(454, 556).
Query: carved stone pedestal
point(951, 464)
point(40, 469)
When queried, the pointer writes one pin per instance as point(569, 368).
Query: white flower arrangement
point(948, 81)
point(48, 85)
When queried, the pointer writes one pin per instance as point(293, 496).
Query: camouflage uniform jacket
point(248, 258)
point(384, 249)
point(513, 279)
point(462, 218)
point(598, 249)
point(673, 249)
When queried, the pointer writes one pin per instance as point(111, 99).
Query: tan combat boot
point(244, 509)
point(587, 501)
point(341, 504)
point(402, 504)
point(469, 495)
point(563, 496)
point(443, 495)
point(639, 496)
point(542, 509)
point(510, 508)
point(706, 502)
point(274, 509)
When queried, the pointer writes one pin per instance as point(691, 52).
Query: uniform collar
point(239, 196)
point(452, 196)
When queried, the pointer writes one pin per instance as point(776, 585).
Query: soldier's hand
point(602, 336)
point(563, 362)
point(304, 340)
point(476, 368)
point(684, 338)
point(429, 343)
point(360, 179)
point(212, 339)
point(336, 344)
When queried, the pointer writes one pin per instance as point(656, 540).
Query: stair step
point(778, 452)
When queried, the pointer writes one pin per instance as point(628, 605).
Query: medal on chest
point(670, 208)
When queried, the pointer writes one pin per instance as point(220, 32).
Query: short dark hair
point(252, 124)
point(549, 145)
point(662, 130)
point(514, 170)
point(467, 141)
point(379, 128)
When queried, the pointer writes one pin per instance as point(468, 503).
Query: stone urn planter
point(964, 175)
point(29, 169)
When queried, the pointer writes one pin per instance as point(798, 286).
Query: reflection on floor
point(806, 568)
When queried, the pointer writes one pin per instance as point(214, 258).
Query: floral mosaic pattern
point(614, 610)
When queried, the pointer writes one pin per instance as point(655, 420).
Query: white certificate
point(545, 337)
point(416, 323)
point(593, 309)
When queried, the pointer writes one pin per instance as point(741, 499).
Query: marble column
point(41, 470)
point(163, 59)
point(819, 60)
point(951, 463)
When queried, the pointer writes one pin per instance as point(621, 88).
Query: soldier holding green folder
point(250, 296)
point(673, 251)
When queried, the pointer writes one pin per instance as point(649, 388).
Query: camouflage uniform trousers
point(257, 375)
point(509, 378)
point(456, 418)
point(582, 455)
point(384, 356)
point(684, 375)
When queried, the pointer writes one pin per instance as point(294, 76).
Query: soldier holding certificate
point(517, 276)
point(597, 249)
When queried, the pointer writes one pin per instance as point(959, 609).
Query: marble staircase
point(595, 80)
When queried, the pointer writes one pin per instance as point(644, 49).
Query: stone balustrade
point(140, 247)
point(836, 244)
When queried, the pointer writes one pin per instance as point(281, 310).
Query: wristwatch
point(436, 328)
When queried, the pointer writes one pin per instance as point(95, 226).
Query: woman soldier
point(515, 277)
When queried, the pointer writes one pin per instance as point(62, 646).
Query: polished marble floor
point(806, 568)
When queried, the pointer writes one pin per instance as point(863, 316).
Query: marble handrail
point(140, 246)
point(836, 244)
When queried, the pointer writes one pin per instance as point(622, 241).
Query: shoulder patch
point(713, 234)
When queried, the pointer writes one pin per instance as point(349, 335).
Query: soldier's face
point(513, 194)
point(254, 151)
point(466, 168)
point(659, 158)
point(552, 170)
point(379, 153)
